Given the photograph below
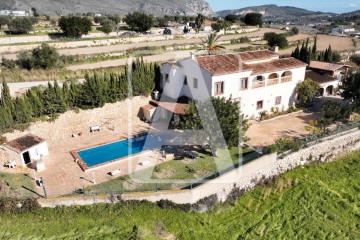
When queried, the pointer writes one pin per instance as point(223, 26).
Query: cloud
point(353, 5)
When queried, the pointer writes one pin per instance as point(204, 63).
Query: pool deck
point(63, 175)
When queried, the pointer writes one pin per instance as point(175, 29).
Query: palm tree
point(210, 43)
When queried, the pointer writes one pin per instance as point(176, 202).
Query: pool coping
point(86, 168)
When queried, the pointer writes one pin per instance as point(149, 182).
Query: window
point(167, 78)
point(259, 105)
point(259, 78)
point(219, 88)
point(243, 83)
point(195, 83)
point(185, 80)
point(278, 100)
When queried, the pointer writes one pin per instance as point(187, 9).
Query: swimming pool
point(123, 148)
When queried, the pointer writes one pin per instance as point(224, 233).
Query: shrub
point(2, 140)
point(13, 205)
point(167, 204)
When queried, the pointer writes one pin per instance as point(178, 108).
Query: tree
point(253, 19)
point(139, 22)
point(21, 25)
point(199, 21)
point(74, 26)
point(210, 44)
point(351, 88)
point(45, 57)
point(275, 39)
point(42, 57)
point(35, 12)
point(306, 92)
point(107, 26)
point(231, 18)
point(233, 124)
point(294, 31)
point(333, 111)
point(4, 20)
point(115, 18)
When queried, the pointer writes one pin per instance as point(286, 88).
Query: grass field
point(320, 201)
point(16, 185)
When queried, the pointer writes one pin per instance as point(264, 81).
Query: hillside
point(320, 201)
point(122, 7)
point(274, 11)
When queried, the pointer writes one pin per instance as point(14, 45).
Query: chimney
point(192, 55)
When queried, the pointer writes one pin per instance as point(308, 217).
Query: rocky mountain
point(121, 7)
point(273, 11)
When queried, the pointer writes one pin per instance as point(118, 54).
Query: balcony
point(258, 84)
point(286, 79)
point(272, 81)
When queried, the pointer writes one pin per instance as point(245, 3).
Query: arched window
point(273, 79)
point(286, 77)
point(258, 81)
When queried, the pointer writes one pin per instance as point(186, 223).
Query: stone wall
point(267, 166)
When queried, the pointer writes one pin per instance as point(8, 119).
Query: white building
point(28, 151)
point(14, 13)
point(260, 80)
point(328, 75)
point(342, 31)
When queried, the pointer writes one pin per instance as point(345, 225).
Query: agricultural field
point(320, 201)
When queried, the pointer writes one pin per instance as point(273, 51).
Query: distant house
point(259, 80)
point(328, 75)
point(28, 150)
point(14, 13)
point(342, 31)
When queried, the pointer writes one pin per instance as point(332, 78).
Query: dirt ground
point(266, 132)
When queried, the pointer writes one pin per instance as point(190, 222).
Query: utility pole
point(43, 186)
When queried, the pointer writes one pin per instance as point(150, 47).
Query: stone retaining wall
point(267, 166)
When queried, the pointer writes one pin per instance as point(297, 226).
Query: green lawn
point(320, 201)
point(181, 172)
point(16, 185)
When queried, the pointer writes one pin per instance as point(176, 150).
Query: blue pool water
point(119, 149)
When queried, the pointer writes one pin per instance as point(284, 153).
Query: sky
point(335, 6)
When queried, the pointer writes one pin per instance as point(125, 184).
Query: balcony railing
point(272, 81)
point(286, 79)
point(258, 84)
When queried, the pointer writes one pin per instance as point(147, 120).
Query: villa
point(328, 75)
point(259, 80)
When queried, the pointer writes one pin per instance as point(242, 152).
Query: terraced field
point(320, 201)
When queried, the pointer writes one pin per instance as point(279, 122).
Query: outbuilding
point(28, 151)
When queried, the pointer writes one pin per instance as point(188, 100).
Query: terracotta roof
point(258, 55)
point(351, 64)
point(325, 65)
point(233, 63)
point(23, 143)
point(275, 65)
point(177, 108)
point(317, 77)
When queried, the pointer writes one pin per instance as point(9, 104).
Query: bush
point(167, 204)
point(284, 144)
point(333, 111)
point(8, 63)
point(13, 205)
point(21, 25)
point(43, 57)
